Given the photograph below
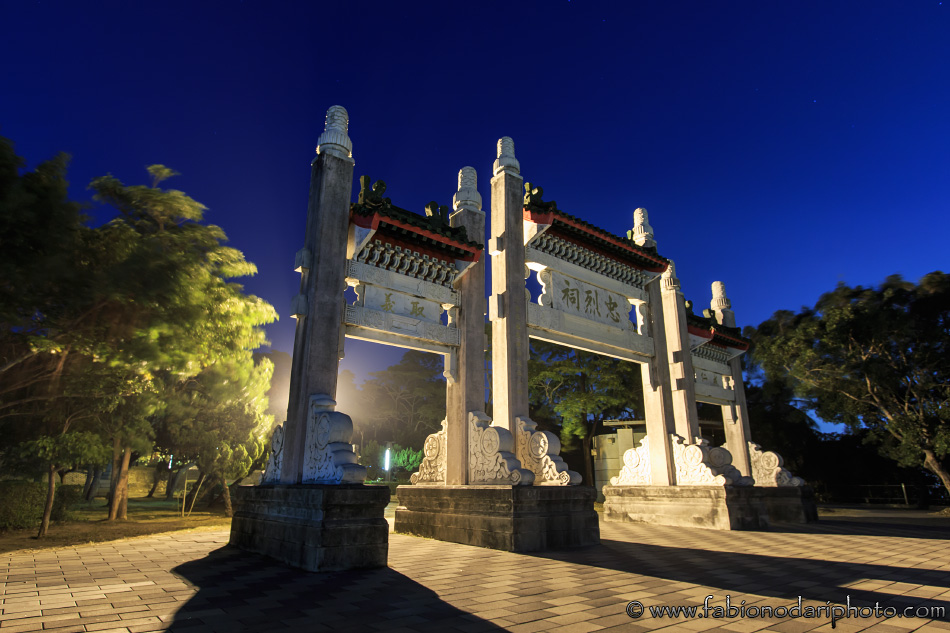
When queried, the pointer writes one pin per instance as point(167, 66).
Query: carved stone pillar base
point(713, 507)
point(790, 504)
point(313, 527)
point(509, 518)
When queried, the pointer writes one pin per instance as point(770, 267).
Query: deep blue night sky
point(780, 147)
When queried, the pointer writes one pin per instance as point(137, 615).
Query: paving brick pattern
point(191, 582)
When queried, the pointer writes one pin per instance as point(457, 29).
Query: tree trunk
point(172, 483)
point(588, 468)
point(94, 487)
point(50, 493)
point(933, 465)
point(194, 493)
point(157, 477)
point(87, 485)
point(118, 509)
point(228, 510)
point(588, 458)
point(114, 479)
point(173, 478)
point(124, 484)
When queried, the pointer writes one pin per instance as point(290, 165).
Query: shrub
point(67, 498)
point(21, 504)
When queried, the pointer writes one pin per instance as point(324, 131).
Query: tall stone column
point(655, 374)
point(657, 404)
point(467, 393)
point(319, 306)
point(735, 417)
point(321, 525)
point(507, 308)
point(682, 376)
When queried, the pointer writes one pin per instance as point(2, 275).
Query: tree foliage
point(875, 359)
point(572, 392)
point(407, 458)
point(403, 403)
point(99, 324)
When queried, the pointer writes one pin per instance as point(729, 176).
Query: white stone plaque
point(574, 296)
point(400, 304)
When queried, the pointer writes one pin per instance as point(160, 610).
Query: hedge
point(22, 503)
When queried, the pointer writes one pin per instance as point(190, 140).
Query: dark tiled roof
point(721, 334)
point(371, 202)
point(568, 224)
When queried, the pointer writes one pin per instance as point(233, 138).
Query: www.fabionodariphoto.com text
point(834, 612)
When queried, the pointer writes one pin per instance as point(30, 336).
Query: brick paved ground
point(190, 582)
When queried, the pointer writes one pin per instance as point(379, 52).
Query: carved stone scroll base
point(491, 454)
point(692, 464)
point(538, 451)
point(697, 464)
point(313, 527)
point(432, 468)
point(509, 518)
point(720, 463)
point(272, 470)
point(636, 467)
point(767, 469)
point(328, 455)
point(700, 464)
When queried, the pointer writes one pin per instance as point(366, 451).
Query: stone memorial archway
point(496, 483)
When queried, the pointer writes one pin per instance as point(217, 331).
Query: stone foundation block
point(510, 518)
point(313, 527)
point(714, 507)
point(790, 504)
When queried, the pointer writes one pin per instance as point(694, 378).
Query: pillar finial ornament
point(642, 232)
point(506, 161)
point(334, 139)
point(670, 282)
point(721, 306)
point(467, 196)
point(719, 299)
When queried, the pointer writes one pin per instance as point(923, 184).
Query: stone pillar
point(657, 404)
point(320, 304)
point(735, 417)
point(507, 308)
point(467, 393)
point(682, 376)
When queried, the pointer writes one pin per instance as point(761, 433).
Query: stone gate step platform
point(312, 526)
point(715, 507)
point(509, 518)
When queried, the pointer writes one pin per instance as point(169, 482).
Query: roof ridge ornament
point(532, 199)
point(642, 233)
point(334, 140)
point(506, 161)
point(437, 213)
point(373, 196)
point(467, 196)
